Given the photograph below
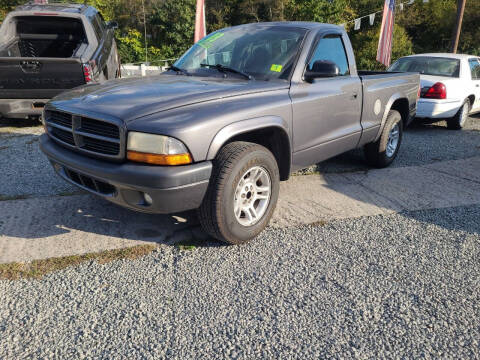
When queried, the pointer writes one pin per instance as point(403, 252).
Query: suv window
point(96, 26)
point(331, 48)
point(101, 21)
point(474, 68)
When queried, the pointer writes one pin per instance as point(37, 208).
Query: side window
point(474, 68)
point(96, 27)
point(101, 21)
point(331, 48)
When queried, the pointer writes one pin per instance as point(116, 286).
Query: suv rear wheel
point(242, 193)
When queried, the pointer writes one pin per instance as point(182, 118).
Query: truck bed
point(379, 87)
point(40, 56)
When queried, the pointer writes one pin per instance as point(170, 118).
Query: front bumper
point(171, 189)
point(437, 109)
point(21, 108)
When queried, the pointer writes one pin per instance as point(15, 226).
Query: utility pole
point(458, 25)
point(145, 28)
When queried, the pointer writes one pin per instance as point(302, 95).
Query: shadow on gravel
point(18, 123)
point(77, 214)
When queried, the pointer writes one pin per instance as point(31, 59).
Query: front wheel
point(382, 152)
point(242, 193)
point(460, 119)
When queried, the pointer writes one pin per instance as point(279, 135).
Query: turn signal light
point(437, 91)
point(159, 159)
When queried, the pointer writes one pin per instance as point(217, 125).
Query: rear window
point(435, 66)
point(65, 27)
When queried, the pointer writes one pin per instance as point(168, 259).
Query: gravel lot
point(398, 286)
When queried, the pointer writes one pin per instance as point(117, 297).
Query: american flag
point(200, 30)
point(384, 52)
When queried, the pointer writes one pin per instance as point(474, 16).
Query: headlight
point(156, 149)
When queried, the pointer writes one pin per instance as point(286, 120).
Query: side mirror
point(112, 25)
point(322, 69)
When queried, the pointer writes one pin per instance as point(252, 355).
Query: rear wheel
point(242, 193)
point(382, 152)
point(461, 118)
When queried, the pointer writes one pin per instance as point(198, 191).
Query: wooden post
point(458, 25)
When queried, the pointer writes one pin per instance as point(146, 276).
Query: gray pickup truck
point(49, 48)
point(234, 116)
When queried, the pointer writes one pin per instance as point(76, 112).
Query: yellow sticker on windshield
point(276, 68)
point(208, 41)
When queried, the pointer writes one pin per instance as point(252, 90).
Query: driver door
point(326, 111)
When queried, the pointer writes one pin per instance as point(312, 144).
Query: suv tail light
point(437, 91)
point(88, 73)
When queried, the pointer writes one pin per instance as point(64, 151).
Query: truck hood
point(130, 99)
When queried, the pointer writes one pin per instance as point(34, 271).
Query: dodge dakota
point(235, 115)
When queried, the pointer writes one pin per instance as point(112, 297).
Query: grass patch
point(38, 268)
point(71, 193)
point(318, 223)
point(34, 140)
point(189, 244)
point(12, 197)
point(185, 247)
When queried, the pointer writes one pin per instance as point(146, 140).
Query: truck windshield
point(263, 52)
point(435, 66)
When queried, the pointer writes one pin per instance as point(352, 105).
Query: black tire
point(460, 119)
point(216, 214)
point(376, 153)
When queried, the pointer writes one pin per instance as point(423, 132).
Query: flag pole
point(458, 25)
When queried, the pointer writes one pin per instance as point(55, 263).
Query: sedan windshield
point(259, 51)
point(435, 66)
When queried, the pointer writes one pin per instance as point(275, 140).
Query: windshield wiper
point(179, 70)
point(225, 69)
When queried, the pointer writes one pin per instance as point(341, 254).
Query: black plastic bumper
point(170, 189)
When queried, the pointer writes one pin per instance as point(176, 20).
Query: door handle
point(354, 96)
point(477, 85)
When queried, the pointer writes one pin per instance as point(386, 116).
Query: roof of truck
point(57, 7)
point(291, 24)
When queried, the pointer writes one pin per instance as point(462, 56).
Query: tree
point(365, 45)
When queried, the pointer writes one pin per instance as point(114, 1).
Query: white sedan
point(449, 83)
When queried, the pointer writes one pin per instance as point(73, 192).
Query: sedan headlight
point(156, 149)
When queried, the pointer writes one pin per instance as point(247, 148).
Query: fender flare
point(388, 107)
point(244, 126)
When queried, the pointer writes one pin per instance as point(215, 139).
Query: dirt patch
point(38, 268)
point(12, 197)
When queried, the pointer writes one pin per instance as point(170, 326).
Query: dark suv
point(46, 49)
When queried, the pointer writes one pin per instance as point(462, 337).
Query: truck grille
point(91, 136)
point(92, 184)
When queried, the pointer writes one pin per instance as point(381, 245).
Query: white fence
point(134, 70)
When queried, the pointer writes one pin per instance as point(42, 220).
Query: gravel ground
point(422, 144)
point(22, 160)
point(25, 170)
point(398, 286)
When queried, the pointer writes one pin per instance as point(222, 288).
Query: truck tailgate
point(38, 78)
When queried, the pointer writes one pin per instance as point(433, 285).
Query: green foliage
point(172, 25)
point(324, 11)
point(365, 45)
point(421, 27)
